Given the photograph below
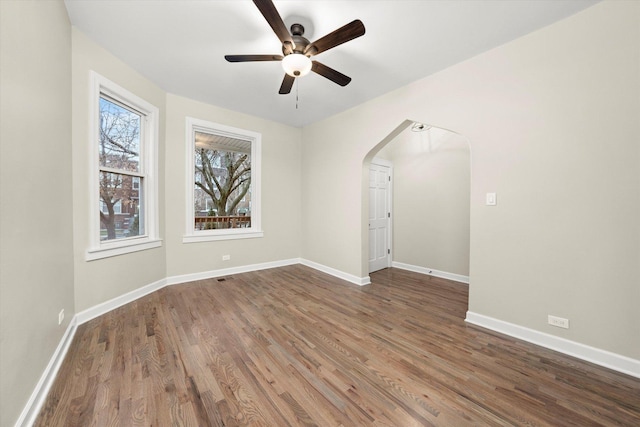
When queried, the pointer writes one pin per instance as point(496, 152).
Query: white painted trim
point(105, 307)
point(389, 165)
point(148, 170)
point(122, 247)
point(594, 355)
point(39, 394)
point(231, 234)
point(191, 235)
point(174, 280)
point(360, 281)
point(30, 412)
point(381, 162)
point(431, 272)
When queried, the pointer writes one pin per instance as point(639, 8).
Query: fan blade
point(330, 73)
point(343, 34)
point(270, 13)
point(250, 58)
point(287, 84)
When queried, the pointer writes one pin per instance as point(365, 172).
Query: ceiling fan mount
point(300, 42)
point(297, 29)
point(298, 50)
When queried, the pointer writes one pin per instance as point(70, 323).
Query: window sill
point(233, 234)
point(120, 248)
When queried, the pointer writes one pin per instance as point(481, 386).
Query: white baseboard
point(39, 394)
point(360, 281)
point(600, 357)
point(184, 278)
point(431, 272)
point(594, 355)
point(105, 307)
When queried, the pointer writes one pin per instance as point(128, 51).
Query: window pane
point(222, 182)
point(120, 215)
point(119, 137)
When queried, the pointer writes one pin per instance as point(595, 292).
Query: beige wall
point(553, 123)
point(101, 280)
point(431, 184)
point(280, 193)
point(36, 265)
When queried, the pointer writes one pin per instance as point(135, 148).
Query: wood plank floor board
point(292, 346)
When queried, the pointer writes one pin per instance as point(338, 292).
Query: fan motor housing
point(297, 30)
point(297, 50)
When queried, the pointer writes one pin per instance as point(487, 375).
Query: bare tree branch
point(225, 178)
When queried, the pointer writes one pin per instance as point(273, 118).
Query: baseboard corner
point(431, 272)
point(39, 394)
point(597, 356)
point(360, 281)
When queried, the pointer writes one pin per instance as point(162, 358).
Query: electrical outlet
point(558, 321)
point(226, 257)
point(60, 317)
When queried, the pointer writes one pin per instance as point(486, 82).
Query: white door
point(379, 217)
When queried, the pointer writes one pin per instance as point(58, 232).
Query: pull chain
point(297, 93)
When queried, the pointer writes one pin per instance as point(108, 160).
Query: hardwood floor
point(293, 346)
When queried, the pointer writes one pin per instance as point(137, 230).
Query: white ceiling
point(180, 45)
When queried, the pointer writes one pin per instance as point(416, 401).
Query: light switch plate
point(492, 199)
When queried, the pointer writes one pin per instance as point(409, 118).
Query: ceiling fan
point(298, 51)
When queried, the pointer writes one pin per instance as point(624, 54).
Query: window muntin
point(120, 133)
point(119, 207)
point(123, 198)
point(223, 182)
point(120, 151)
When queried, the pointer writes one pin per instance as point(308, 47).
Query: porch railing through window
point(221, 222)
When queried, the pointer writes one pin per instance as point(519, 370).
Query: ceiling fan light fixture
point(296, 64)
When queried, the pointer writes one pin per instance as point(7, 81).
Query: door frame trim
point(386, 163)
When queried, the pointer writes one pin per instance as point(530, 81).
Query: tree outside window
point(121, 175)
point(223, 182)
point(222, 179)
point(123, 171)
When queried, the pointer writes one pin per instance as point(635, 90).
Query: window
point(104, 209)
point(123, 198)
point(223, 182)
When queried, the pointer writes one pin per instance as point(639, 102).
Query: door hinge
point(388, 214)
point(388, 251)
point(389, 178)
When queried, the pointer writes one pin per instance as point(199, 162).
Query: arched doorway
point(429, 211)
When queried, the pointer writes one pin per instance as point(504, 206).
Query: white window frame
point(192, 235)
point(148, 163)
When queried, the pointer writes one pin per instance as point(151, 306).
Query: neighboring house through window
point(124, 212)
point(223, 182)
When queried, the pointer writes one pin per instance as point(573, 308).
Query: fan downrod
point(297, 31)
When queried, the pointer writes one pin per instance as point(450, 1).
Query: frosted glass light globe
point(296, 65)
